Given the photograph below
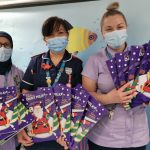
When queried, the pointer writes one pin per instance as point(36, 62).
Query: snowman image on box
point(75, 124)
point(64, 118)
point(42, 126)
point(83, 128)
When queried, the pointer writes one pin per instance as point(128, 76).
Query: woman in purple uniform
point(124, 130)
point(10, 75)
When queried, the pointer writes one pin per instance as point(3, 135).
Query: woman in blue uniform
point(47, 69)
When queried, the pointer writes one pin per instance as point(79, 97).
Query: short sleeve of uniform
point(77, 78)
point(27, 81)
point(91, 69)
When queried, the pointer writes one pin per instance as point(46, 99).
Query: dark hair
point(6, 35)
point(53, 23)
point(112, 10)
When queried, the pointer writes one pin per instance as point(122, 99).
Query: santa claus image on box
point(5, 116)
point(42, 125)
point(144, 84)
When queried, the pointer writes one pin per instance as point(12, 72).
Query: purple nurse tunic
point(126, 128)
point(12, 78)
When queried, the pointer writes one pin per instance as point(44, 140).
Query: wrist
point(110, 99)
point(105, 98)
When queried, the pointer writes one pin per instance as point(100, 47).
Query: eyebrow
point(117, 25)
point(5, 43)
point(108, 26)
point(121, 24)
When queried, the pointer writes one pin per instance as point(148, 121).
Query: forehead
point(113, 20)
point(4, 40)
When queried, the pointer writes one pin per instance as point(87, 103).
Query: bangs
point(57, 25)
point(51, 25)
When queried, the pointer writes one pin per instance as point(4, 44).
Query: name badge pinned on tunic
point(48, 81)
point(17, 82)
point(68, 70)
point(111, 114)
point(69, 73)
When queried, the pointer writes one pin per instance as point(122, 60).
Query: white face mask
point(5, 54)
point(116, 38)
point(57, 44)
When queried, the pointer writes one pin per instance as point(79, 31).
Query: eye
point(120, 27)
point(92, 37)
point(7, 45)
point(61, 32)
point(109, 30)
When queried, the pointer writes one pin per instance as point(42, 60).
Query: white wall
point(24, 24)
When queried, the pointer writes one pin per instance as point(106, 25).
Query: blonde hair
point(112, 10)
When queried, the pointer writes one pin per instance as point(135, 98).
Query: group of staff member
point(125, 130)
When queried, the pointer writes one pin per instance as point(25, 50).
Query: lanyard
point(110, 107)
point(108, 54)
point(6, 78)
point(48, 77)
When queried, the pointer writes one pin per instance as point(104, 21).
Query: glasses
point(6, 45)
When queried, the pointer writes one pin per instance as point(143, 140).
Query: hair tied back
point(113, 6)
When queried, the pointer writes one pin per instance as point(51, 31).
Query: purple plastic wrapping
point(79, 101)
point(8, 110)
point(136, 56)
point(39, 129)
point(24, 116)
point(136, 71)
point(111, 64)
point(139, 100)
point(6, 137)
point(122, 64)
point(145, 63)
point(50, 111)
point(143, 79)
point(63, 102)
point(93, 113)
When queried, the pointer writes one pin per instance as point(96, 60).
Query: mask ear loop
point(68, 59)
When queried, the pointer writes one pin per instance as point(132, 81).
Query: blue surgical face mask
point(116, 38)
point(57, 44)
point(5, 54)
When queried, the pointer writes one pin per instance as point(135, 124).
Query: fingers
point(127, 99)
point(24, 138)
point(62, 142)
point(130, 92)
point(27, 144)
point(27, 138)
point(59, 140)
point(65, 147)
point(146, 104)
point(135, 93)
point(126, 95)
point(124, 87)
